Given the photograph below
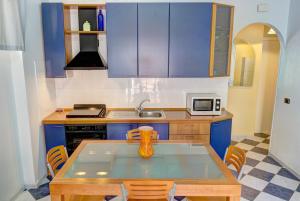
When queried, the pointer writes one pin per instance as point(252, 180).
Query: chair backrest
point(237, 157)
point(55, 158)
point(135, 135)
point(148, 190)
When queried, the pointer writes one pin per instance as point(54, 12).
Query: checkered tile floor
point(264, 179)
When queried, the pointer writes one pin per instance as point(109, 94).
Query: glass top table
point(115, 160)
point(99, 167)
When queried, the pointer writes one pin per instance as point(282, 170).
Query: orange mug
point(146, 134)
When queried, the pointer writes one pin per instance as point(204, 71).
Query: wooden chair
point(149, 190)
point(207, 199)
point(99, 198)
point(83, 198)
point(55, 158)
point(135, 135)
point(235, 156)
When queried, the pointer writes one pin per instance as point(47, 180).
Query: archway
point(252, 93)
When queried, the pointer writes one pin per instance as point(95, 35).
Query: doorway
point(252, 92)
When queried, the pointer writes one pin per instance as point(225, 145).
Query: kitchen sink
point(145, 114)
point(151, 114)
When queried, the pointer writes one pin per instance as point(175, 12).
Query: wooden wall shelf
point(87, 39)
point(76, 6)
point(85, 32)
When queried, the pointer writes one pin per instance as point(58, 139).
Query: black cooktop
point(87, 111)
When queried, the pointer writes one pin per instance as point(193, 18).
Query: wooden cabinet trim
point(68, 38)
point(199, 138)
point(230, 41)
point(76, 6)
point(200, 128)
point(212, 42)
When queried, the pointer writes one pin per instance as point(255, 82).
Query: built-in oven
point(76, 133)
point(203, 104)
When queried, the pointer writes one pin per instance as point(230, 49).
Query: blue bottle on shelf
point(100, 21)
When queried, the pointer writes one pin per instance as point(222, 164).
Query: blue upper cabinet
point(190, 34)
point(220, 136)
point(122, 33)
point(54, 39)
point(153, 39)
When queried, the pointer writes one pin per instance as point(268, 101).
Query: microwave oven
point(203, 104)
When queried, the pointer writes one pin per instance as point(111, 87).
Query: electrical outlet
point(262, 7)
point(287, 100)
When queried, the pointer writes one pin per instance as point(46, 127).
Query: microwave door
point(203, 104)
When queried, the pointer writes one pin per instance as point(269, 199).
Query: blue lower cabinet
point(220, 136)
point(54, 136)
point(162, 129)
point(118, 131)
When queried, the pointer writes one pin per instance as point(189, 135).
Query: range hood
point(88, 57)
point(86, 61)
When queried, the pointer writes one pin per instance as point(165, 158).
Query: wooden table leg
point(233, 198)
point(55, 197)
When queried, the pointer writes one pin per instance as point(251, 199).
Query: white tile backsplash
point(96, 87)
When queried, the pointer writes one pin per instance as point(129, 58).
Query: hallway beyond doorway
point(251, 96)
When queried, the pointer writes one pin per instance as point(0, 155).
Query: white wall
point(11, 181)
point(39, 90)
point(267, 85)
point(242, 101)
point(95, 87)
point(285, 139)
point(252, 109)
point(23, 118)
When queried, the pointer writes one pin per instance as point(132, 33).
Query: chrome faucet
point(140, 108)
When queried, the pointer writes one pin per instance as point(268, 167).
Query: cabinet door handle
point(57, 126)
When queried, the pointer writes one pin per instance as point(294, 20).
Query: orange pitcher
point(146, 135)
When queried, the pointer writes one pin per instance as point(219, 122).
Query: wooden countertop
point(172, 115)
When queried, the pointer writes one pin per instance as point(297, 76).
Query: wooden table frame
point(60, 186)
